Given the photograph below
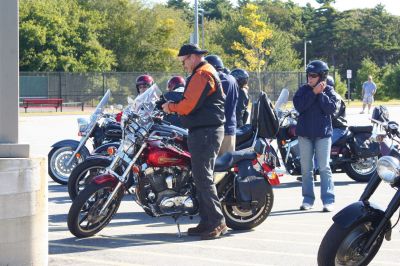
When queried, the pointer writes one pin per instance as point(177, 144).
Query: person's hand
point(319, 87)
point(165, 108)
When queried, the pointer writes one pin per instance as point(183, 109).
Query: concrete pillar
point(23, 212)
point(23, 180)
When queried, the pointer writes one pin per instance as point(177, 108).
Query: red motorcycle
point(155, 167)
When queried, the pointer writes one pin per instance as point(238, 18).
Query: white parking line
point(98, 262)
point(133, 252)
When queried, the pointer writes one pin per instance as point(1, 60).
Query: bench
point(55, 102)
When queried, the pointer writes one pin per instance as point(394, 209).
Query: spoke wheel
point(59, 171)
point(84, 218)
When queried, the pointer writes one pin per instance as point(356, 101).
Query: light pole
point(305, 52)
point(196, 22)
point(202, 27)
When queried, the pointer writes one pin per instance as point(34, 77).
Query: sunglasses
point(313, 75)
point(183, 61)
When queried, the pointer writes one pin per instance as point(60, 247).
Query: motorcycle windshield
point(282, 99)
point(100, 106)
point(145, 103)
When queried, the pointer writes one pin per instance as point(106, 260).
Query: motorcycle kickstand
point(177, 225)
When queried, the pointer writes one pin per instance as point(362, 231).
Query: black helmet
point(215, 61)
point(330, 81)
point(318, 67)
point(241, 76)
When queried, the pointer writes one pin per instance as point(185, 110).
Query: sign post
point(348, 85)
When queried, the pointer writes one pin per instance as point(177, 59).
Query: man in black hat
point(202, 112)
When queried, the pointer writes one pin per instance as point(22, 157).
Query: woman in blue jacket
point(315, 102)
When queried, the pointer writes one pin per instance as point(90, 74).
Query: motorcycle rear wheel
point(83, 216)
point(57, 159)
point(83, 174)
point(341, 246)
point(362, 170)
point(239, 218)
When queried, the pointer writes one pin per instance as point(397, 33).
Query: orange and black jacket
point(203, 100)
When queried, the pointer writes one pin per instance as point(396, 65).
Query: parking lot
point(287, 237)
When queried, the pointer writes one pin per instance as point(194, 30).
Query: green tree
point(58, 35)
point(254, 45)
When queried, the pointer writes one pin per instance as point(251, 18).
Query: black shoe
point(198, 230)
point(221, 229)
point(300, 179)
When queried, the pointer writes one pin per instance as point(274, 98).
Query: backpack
point(265, 117)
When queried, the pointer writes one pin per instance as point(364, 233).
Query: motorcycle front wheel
point(239, 218)
point(84, 218)
point(57, 160)
point(343, 246)
point(83, 174)
point(362, 170)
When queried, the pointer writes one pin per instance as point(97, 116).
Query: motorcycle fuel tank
point(164, 157)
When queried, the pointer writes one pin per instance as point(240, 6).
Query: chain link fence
point(88, 88)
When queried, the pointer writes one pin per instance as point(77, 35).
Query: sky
point(392, 6)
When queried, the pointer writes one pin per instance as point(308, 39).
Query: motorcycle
point(354, 153)
point(94, 165)
point(66, 154)
point(156, 168)
point(359, 229)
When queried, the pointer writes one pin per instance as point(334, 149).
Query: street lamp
point(305, 52)
point(196, 23)
point(202, 27)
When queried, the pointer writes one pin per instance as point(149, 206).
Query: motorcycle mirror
point(282, 99)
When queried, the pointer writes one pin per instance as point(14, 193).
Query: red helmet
point(175, 82)
point(144, 80)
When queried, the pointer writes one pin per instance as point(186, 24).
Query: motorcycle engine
point(168, 190)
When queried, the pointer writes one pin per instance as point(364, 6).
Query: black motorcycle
point(359, 229)
point(101, 128)
point(354, 153)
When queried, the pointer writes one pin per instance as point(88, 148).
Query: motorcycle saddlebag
point(250, 191)
point(364, 148)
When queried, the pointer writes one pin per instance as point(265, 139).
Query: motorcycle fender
point(66, 143)
point(104, 147)
point(105, 178)
point(356, 212)
point(71, 143)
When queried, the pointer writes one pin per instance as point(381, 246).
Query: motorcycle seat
point(243, 134)
point(229, 159)
point(360, 129)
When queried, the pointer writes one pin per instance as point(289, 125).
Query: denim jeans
point(321, 149)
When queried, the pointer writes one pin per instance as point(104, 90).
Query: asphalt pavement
point(287, 237)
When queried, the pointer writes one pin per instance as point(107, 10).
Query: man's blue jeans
point(321, 149)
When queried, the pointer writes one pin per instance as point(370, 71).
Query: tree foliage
point(131, 35)
point(57, 35)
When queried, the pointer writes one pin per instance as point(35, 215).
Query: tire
point(362, 170)
point(87, 203)
point(244, 219)
point(83, 174)
point(339, 246)
point(57, 158)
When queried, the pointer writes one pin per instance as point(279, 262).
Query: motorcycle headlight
point(82, 126)
point(388, 169)
point(129, 143)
